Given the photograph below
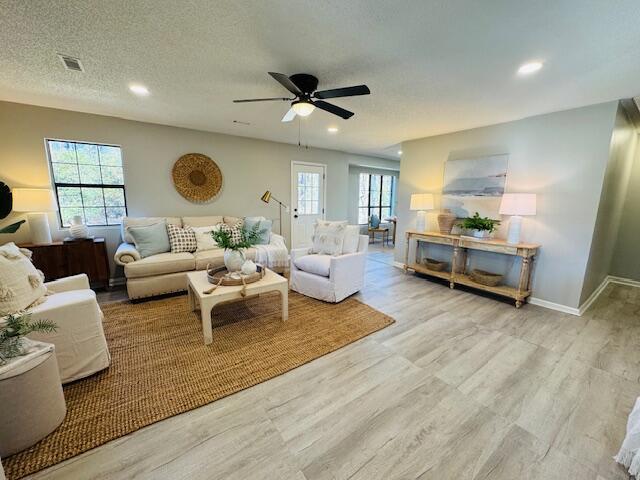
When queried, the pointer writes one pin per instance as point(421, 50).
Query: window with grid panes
point(88, 180)
point(375, 196)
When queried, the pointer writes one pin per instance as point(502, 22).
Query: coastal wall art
point(475, 185)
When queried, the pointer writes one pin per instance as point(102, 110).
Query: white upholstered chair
point(81, 348)
point(327, 277)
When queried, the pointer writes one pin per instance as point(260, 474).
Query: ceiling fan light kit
point(307, 97)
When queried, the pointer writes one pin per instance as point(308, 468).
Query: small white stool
point(31, 397)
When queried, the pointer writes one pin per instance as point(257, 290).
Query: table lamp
point(421, 202)
point(516, 205)
point(35, 201)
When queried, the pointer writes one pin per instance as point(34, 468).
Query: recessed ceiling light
point(332, 129)
point(530, 67)
point(139, 89)
point(399, 152)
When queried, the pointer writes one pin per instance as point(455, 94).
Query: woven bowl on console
point(486, 278)
point(196, 177)
point(435, 265)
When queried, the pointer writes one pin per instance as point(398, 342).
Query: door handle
point(295, 216)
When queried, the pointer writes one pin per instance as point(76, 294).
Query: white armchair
point(327, 277)
point(81, 348)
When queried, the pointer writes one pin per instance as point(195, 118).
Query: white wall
point(560, 156)
point(625, 261)
point(612, 199)
point(249, 167)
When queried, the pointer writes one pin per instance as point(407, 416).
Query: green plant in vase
point(233, 248)
point(480, 227)
point(14, 328)
point(6, 205)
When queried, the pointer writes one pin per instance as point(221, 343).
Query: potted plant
point(6, 204)
point(234, 249)
point(480, 227)
point(14, 328)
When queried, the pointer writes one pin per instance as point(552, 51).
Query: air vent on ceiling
point(71, 63)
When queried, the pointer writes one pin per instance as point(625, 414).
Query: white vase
point(233, 260)
point(249, 267)
point(483, 234)
point(77, 228)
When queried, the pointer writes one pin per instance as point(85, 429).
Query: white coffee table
point(197, 283)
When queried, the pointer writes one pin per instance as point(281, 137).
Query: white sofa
point(166, 272)
point(327, 277)
point(80, 346)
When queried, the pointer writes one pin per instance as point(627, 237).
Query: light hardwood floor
point(461, 387)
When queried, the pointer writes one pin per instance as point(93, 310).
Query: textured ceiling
point(432, 66)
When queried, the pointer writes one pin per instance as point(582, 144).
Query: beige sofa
point(166, 272)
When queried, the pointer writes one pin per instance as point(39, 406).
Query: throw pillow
point(181, 239)
point(21, 284)
point(204, 240)
point(264, 227)
point(328, 237)
point(234, 230)
point(150, 239)
point(351, 239)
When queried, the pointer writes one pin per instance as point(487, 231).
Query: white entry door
point(308, 202)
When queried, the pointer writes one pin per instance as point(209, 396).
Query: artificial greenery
point(6, 204)
point(13, 330)
point(248, 238)
point(479, 223)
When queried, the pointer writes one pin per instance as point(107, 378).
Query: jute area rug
point(161, 366)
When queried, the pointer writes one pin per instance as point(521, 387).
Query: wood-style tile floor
point(461, 387)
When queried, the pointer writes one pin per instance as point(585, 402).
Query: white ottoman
point(31, 397)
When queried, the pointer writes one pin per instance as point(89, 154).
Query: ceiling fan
point(307, 98)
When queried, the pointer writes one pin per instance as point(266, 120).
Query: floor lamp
point(266, 197)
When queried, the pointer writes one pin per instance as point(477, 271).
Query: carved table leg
point(406, 253)
point(523, 283)
point(454, 265)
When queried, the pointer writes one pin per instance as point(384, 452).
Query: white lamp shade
point(33, 200)
point(421, 201)
point(518, 204)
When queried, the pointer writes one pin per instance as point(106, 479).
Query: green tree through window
point(89, 181)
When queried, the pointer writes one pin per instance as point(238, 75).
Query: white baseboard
point(398, 265)
point(116, 282)
point(623, 281)
point(594, 296)
point(554, 306)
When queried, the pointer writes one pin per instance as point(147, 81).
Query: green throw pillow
point(150, 239)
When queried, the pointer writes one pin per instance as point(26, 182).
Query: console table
point(69, 257)
point(460, 246)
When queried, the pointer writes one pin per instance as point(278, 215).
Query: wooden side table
point(70, 257)
point(383, 230)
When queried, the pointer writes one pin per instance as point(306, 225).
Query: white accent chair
point(80, 346)
point(327, 277)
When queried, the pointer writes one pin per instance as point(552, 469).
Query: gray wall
point(560, 156)
point(625, 261)
point(612, 200)
point(149, 151)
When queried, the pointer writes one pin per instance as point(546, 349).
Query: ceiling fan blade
point(328, 107)
point(290, 115)
point(343, 92)
point(286, 82)
point(246, 100)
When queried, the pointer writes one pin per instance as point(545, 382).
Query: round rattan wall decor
point(197, 178)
